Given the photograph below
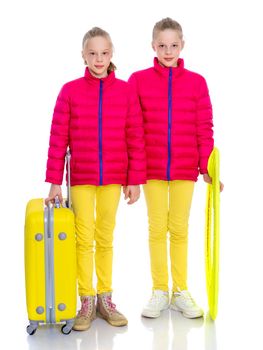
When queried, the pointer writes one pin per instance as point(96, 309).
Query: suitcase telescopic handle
point(68, 201)
point(68, 157)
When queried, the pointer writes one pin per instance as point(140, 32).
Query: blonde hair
point(92, 33)
point(167, 23)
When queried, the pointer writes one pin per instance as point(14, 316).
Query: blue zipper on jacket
point(169, 122)
point(100, 132)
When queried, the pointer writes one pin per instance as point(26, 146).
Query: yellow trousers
point(95, 209)
point(168, 205)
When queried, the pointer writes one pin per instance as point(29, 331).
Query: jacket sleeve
point(204, 126)
point(135, 140)
point(59, 139)
point(133, 83)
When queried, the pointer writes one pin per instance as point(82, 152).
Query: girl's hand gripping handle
point(55, 190)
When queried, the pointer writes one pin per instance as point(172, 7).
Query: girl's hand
point(132, 192)
point(55, 190)
point(208, 180)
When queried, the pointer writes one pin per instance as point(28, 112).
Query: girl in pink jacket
point(177, 115)
point(99, 118)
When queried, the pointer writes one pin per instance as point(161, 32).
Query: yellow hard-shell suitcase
point(50, 265)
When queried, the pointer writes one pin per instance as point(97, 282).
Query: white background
point(40, 51)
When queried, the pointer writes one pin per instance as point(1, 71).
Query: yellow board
point(63, 266)
point(212, 233)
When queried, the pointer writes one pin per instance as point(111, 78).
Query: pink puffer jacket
point(178, 122)
point(101, 122)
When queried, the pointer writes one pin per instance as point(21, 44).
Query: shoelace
point(109, 304)
point(85, 307)
point(156, 299)
point(187, 299)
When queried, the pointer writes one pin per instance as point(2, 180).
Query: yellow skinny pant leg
point(83, 203)
point(107, 204)
point(180, 199)
point(90, 229)
point(168, 205)
point(156, 196)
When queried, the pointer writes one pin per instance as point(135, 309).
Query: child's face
point(97, 53)
point(167, 44)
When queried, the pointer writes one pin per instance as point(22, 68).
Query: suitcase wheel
point(31, 329)
point(66, 329)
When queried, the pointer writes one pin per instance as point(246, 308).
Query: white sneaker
point(158, 302)
point(183, 302)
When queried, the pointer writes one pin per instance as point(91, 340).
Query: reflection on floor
point(170, 331)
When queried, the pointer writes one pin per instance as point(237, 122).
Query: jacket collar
point(165, 70)
point(108, 80)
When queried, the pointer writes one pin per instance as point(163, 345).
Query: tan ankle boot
point(107, 310)
point(86, 314)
